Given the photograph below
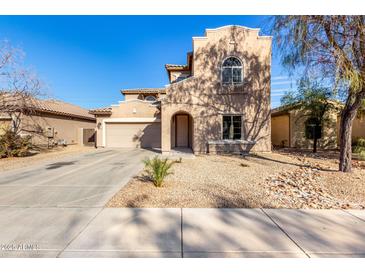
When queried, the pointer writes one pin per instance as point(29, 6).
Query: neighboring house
point(50, 121)
point(290, 127)
point(218, 102)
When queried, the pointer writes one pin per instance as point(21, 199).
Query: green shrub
point(360, 142)
point(158, 169)
point(362, 155)
point(360, 146)
point(13, 145)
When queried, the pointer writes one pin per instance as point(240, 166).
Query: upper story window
point(232, 71)
point(150, 98)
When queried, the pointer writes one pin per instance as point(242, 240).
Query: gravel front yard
point(45, 154)
point(270, 180)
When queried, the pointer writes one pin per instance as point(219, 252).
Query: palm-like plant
point(158, 169)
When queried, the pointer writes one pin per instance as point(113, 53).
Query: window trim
point(231, 115)
point(232, 67)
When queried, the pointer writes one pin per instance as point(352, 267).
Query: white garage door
point(145, 135)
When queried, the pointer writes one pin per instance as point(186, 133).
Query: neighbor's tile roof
point(16, 102)
point(286, 108)
point(143, 90)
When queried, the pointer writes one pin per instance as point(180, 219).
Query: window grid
point(232, 127)
point(232, 71)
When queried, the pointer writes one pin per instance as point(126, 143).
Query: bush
point(158, 169)
point(13, 145)
point(362, 155)
point(360, 142)
point(360, 145)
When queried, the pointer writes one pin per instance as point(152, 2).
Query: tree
point(314, 101)
point(332, 47)
point(19, 86)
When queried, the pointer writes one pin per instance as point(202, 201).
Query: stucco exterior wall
point(4, 124)
point(280, 130)
point(66, 128)
point(126, 109)
point(331, 130)
point(297, 128)
point(131, 96)
point(99, 129)
point(358, 127)
point(179, 75)
point(134, 108)
point(205, 98)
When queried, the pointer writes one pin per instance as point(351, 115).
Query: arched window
point(150, 98)
point(232, 71)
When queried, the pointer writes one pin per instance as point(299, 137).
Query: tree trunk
point(315, 141)
point(345, 141)
point(347, 117)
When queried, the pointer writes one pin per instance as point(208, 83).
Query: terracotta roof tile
point(104, 110)
point(16, 102)
point(173, 66)
point(143, 90)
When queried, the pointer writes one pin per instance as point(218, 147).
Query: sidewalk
point(124, 232)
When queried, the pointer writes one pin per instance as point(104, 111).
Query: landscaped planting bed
point(269, 180)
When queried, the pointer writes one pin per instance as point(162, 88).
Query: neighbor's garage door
point(145, 135)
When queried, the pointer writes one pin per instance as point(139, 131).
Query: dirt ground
point(41, 155)
point(281, 179)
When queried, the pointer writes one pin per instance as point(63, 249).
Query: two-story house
point(218, 102)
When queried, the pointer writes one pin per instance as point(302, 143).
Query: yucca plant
point(158, 169)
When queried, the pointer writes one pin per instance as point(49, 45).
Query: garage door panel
point(145, 135)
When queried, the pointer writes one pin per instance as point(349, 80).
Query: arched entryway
point(182, 131)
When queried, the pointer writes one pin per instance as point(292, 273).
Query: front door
point(182, 130)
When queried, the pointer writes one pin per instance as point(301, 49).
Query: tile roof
point(16, 102)
point(179, 67)
point(286, 108)
point(143, 90)
point(104, 110)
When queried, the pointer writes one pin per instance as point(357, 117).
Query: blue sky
point(86, 60)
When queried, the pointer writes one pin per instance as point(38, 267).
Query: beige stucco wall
point(134, 108)
point(131, 96)
point(99, 129)
point(179, 75)
point(4, 124)
point(206, 99)
point(331, 130)
point(297, 128)
point(358, 127)
point(66, 128)
point(280, 130)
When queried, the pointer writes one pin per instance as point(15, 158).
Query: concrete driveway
point(86, 180)
point(44, 207)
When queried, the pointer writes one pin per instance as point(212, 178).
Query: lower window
point(313, 129)
point(232, 127)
